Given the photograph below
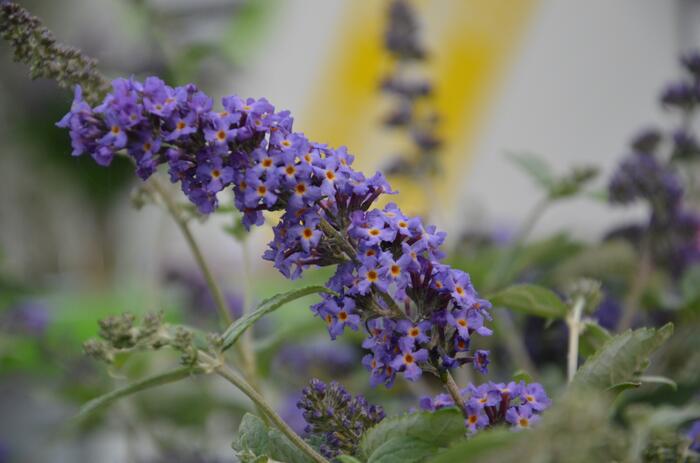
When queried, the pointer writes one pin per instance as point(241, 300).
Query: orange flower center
point(301, 189)
point(374, 232)
point(216, 173)
point(181, 125)
point(372, 275)
point(308, 233)
point(221, 135)
point(342, 315)
point(414, 332)
point(267, 162)
point(262, 190)
point(408, 359)
point(524, 422)
point(462, 322)
point(116, 129)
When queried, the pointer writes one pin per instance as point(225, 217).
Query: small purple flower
point(521, 417)
point(370, 275)
point(408, 360)
point(214, 175)
point(476, 419)
point(414, 333)
point(535, 396)
point(481, 361)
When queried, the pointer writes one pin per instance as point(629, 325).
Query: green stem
point(182, 224)
point(495, 278)
point(639, 284)
point(574, 323)
point(248, 357)
point(259, 401)
point(245, 355)
point(514, 342)
point(449, 382)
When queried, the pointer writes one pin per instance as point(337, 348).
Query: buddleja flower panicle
point(337, 417)
point(651, 175)
point(518, 405)
point(35, 45)
point(420, 313)
point(409, 92)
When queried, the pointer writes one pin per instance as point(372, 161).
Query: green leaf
point(252, 436)
point(255, 442)
point(237, 328)
point(535, 167)
point(438, 428)
point(522, 375)
point(484, 443)
point(402, 449)
point(622, 359)
point(147, 383)
point(647, 379)
point(592, 337)
point(347, 459)
point(282, 449)
point(532, 300)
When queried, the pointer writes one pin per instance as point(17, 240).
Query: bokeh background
point(571, 81)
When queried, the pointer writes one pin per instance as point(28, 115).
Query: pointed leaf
point(536, 168)
point(347, 459)
point(592, 337)
point(530, 299)
point(147, 383)
point(484, 443)
point(622, 359)
point(403, 449)
point(438, 428)
point(237, 328)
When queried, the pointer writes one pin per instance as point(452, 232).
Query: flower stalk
point(573, 321)
point(232, 377)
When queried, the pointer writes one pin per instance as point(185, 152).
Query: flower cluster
point(420, 313)
point(408, 91)
point(517, 404)
point(339, 419)
point(649, 176)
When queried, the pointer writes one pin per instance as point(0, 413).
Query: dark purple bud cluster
point(650, 176)
point(517, 404)
point(420, 313)
point(337, 417)
point(35, 45)
point(401, 36)
point(402, 41)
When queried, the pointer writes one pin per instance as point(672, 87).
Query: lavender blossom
point(336, 417)
point(388, 265)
